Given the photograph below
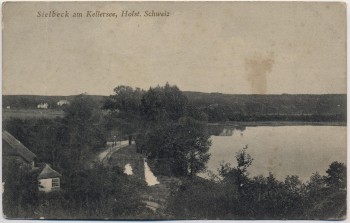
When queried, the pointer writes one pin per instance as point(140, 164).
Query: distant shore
point(53, 113)
point(276, 123)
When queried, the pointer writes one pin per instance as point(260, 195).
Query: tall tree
point(125, 110)
point(163, 104)
point(174, 137)
point(179, 148)
point(83, 128)
point(238, 174)
point(336, 176)
point(46, 138)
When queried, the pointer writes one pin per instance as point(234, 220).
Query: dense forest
point(170, 130)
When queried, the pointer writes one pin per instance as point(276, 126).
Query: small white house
point(63, 102)
point(8, 107)
point(43, 105)
point(49, 179)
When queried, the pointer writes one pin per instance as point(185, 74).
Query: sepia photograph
point(174, 110)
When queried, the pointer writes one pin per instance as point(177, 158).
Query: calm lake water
point(282, 150)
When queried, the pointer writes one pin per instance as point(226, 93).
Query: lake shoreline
point(276, 123)
point(285, 150)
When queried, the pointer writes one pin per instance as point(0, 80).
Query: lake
point(282, 150)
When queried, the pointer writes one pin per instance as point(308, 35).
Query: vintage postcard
point(174, 110)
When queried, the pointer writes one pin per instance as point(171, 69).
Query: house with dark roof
point(14, 150)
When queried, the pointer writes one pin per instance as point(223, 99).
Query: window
point(55, 183)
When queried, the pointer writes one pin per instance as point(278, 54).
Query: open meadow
point(31, 113)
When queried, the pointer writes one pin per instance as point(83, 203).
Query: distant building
point(43, 105)
point(8, 107)
point(63, 102)
point(13, 150)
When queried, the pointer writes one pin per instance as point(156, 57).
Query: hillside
point(285, 107)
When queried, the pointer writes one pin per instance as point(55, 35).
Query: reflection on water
point(282, 150)
point(222, 130)
point(128, 169)
point(151, 180)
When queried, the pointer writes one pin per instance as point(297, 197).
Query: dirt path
point(110, 149)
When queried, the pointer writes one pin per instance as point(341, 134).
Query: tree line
point(285, 107)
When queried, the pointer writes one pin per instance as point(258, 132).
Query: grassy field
point(31, 113)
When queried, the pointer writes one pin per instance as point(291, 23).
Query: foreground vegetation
point(235, 195)
point(97, 193)
point(171, 131)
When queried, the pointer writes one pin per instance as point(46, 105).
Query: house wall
point(46, 185)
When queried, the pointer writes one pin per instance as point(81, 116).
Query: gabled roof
point(48, 172)
point(15, 147)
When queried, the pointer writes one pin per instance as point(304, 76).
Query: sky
point(227, 47)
